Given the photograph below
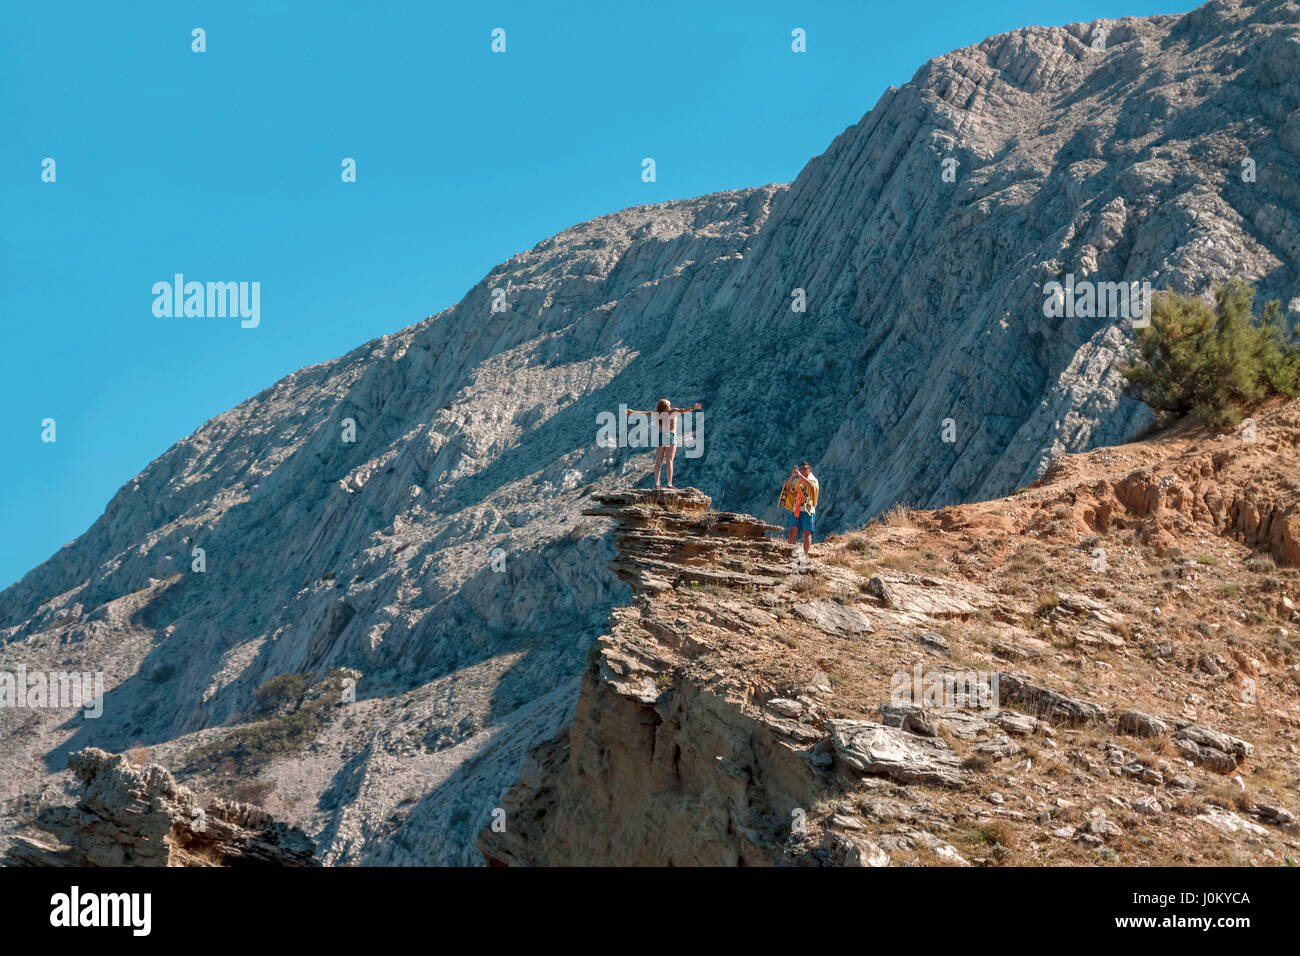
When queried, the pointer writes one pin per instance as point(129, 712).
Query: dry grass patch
point(915, 561)
point(899, 516)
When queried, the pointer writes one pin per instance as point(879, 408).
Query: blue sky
point(225, 165)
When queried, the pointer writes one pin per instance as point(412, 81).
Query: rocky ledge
point(1073, 674)
point(675, 756)
point(670, 537)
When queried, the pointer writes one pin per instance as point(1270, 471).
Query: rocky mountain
point(394, 592)
point(1097, 669)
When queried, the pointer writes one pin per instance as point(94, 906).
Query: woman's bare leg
point(669, 453)
point(659, 465)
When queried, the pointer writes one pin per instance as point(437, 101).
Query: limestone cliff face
point(925, 296)
point(476, 429)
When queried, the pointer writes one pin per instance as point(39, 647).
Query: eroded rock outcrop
point(751, 708)
point(678, 757)
point(656, 769)
point(1050, 705)
point(128, 816)
point(909, 757)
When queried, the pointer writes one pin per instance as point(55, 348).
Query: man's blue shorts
point(804, 522)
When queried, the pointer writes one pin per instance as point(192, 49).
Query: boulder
point(1137, 724)
point(1053, 706)
point(834, 618)
point(872, 748)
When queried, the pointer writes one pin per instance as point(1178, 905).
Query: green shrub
point(1213, 362)
point(282, 689)
point(296, 708)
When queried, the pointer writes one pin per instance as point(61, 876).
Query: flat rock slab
point(1214, 738)
point(1211, 749)
point(688, 500)
point(834, 618)
point(1228, 822)
point(1137, 724)
point(1092, 637)
point(1084, 606)
point(1050, 705)
point(956, 722)
point(935, 597)
point(1018, 650)
point(1022, 725)
point(932, 640)
point(873, 748)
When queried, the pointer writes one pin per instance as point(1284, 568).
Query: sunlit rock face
point(441, 555)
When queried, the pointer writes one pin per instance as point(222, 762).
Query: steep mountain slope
point(476, 430)
point(473, 432)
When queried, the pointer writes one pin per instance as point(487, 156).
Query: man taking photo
point(799, 497)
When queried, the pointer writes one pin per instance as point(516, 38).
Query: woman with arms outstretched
point(665, 435)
